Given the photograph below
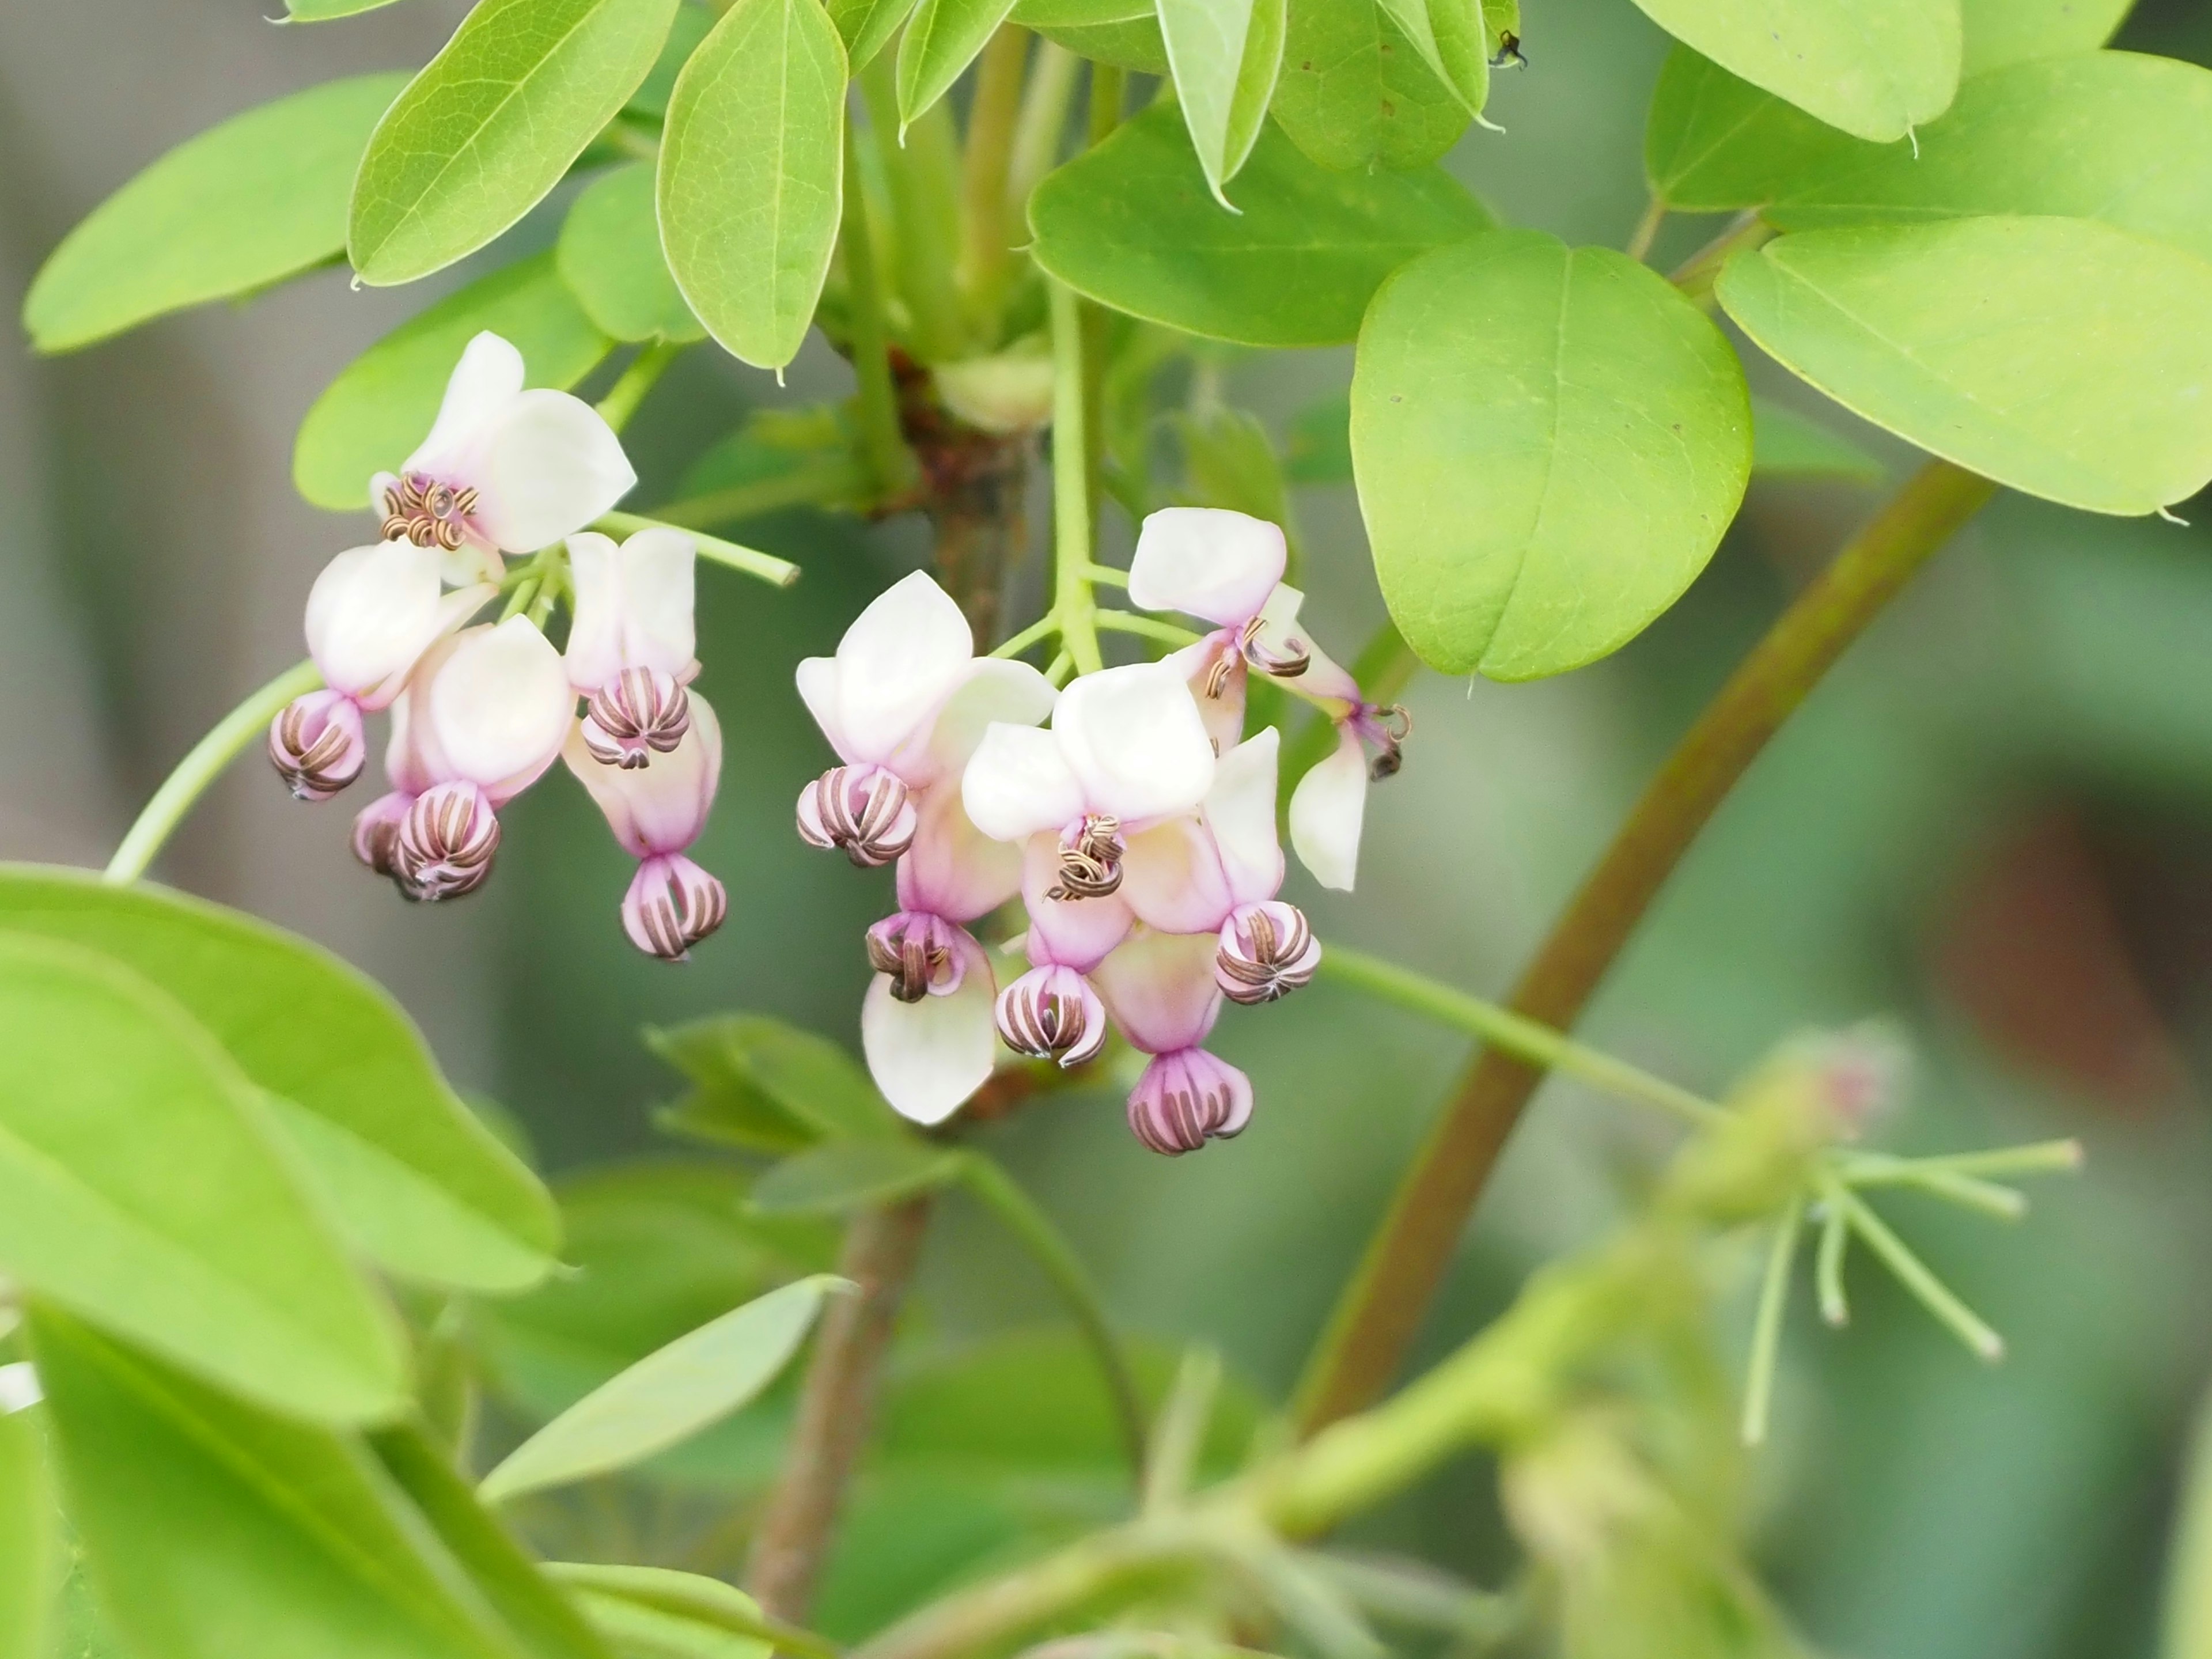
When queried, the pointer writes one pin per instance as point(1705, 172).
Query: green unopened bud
point(1003, 394)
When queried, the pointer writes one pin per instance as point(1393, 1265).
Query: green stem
point(1515, 1034)
point(1913, 1274)
point(997, 1192)
point(921, 175)
point(986, 171)
point(1381, 1312)
point(1072, 600)
point(1828, 1267)
point(1150, 627)
point(1043, 628)
point(1696, 275)
point(1969, 1191)
point(883, 443)
point(780, 573)
point(1647, 229)
point(812, 485)
point(1767, 1327)
point(1109, 92)
point(2038, 1158)
point(1172, 1458)
point(1043, 123)
point(201, 766)
point(629, 388)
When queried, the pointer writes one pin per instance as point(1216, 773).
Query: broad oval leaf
point(667, 1396)
point(1714, 142)
point(1549, 443)
point(659, 1611)
point(751, 182)
point(201, 1517)
point(842, 1175)
point(761, 1084)
point(686, 30)
point(27, 1513)
point(256, 199)
point(1875, 67)
point(2060, 356)
point(1132, 225)
point(942, 38)
point(1125, 34)
point(2000, 32)
point(491, 123)
point(141, 1186)
point(610, 257)
point(383, 402)
point(1355, 95)
point(412, 1175)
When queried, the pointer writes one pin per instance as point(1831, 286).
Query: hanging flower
point(656, 812)
point(1330, 806)
point(1161, 990)
point(631, 640)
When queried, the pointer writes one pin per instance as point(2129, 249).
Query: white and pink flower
point(631, 641)
point(656, 813)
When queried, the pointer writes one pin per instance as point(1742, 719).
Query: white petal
point(487, 378)
point(817, 690)
point(898, 662)
point(953, 870)
point(500, 707)
point(545, 466)
point(1159, 988)
point(1282, 634)
point(372, 612)
point(658, 570)
point(1240, 811)
point(1019, 783)
point(661, 808)
point(1325, 813)
point(929, 1056)
point(1206, 562)
point(1075, 933)
point(994, 692)
point(594, 654)
point(1133, 738)
point(19, 1388)
point(1171, 879)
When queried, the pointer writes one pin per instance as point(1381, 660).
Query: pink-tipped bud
point(641, 711)
point(1267, 951)
point(376, 832)
point(317, 745)
point(865, 809)
point(670, 906)
point(1052, 1013)
point(920, 954)
point(1188, 1098)
point(445, 841)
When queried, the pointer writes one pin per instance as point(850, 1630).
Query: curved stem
point(1148, 628)
point(629, 388)
point(201, 766)
point(1382, 1310)
point(1647, 229)
point(780, 573)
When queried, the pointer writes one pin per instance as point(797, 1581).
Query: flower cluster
point(1129, 812)
point(480, 711)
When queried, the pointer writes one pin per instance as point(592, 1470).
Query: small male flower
point(1160, 990)
point(631, 640)
point(1053, 1013)
point(502, 470)
point(1188, 1098)
point(1330, 806)
point(656, 812)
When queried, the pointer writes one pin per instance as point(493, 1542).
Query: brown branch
point(1381, 1312)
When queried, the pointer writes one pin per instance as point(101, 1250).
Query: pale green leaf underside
point(1132, 225)
point(27, 1514)
point(1354, 94)
point(942, 38)
point(1874, 68)
point(256, 199)
point(1549, 444)
point(668, 1396)
point(1788, 445)
point(867, 27)
point(1122, 33)
point(381, 404)
point(2000, 32)
point(142, 1186)
point(751, 182)
point(320, 11)
point(1713, 141)
point(2061, 356)
point(841, 1176)
point(492, 123)
point(770, 1086)
point(610, 257)
point(659, 1611)
point(1206, 41)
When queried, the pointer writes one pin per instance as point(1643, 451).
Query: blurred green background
point(1994, 823)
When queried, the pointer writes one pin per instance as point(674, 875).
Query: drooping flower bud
point(1187, 1099)
point(865, 809)
point(640, 713)
point(1052, 1013)
point(376, 832)
point(671, 905)
point(316, 745)
point(1267, 951)
point(920, 954)
point(445, 843)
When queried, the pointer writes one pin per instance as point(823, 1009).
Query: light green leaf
point(1787, 445)
point(215, 1530)
point(1229, 461)
point(319, 11)
point(1448, 36)
point(548, 1625)
point(1132, 225)
point(1875, 67)
point(1714, 142)
point(1223, 56)
point(1355, 95)
point(942, 38)
point(842, 1175)
point(1125, 34)
point(866, 28)
point(691, 26)
point(752, 179)
point(651, 1611)
point(2001, 31)
point(27, 1538)
point(248, 202)
point(491, 123)
point(669, 1395)
point(1549, 444)
point(768, 1086)
point(141, 1186)
point(2060, 356)
point(610, 257)
point(381, 404)
point(412, 1173)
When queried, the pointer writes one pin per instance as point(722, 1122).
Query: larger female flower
point(631, 642)
point(656, 813)
point(502, 470)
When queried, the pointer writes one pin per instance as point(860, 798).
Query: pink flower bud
point(663, 807)
point(670, 906)
point(1052, 1013)
point(639, 712)
point(317, 745)
point(445, 843)
point(920, 954)
point(865, 809)
point(1267, 951)
point(376, 832)
point(1187, 1099)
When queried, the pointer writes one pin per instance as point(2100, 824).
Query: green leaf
point(667, 1396)
point(942, 38)
point(1132, 225)
point(656, 1612)
point(1549, 444)
point(382, 403)
point(610, 257)
point(1714, 142)
point(2001, 31)
point(842, 1175)
point(1223, 56)
point(248, 202)
point(319, 11)
point(26, 1538)
point(141, 1186)
point(214, 1529)
point(751, 179)
point(1785, 444)
point(1355, 95)
point(549, 1625)
point(1875, 67)
point(2060, 356)
point(1229, 460)
point(412, 1174)
point(491, 123)
point(1320, 448)
point(1448, 36)
point(867, 27)
point(689, 28)
point(1125, 34)
point(769, 1087)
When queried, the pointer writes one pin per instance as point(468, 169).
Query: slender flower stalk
point(1073, 604)
point(631, 386)
point(778, 573)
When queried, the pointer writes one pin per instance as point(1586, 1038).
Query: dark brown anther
point(427, 512)
point(639, 713)
point(1090, 860)
point(1286, 664)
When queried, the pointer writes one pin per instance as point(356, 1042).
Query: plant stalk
point(883, 444)
point(986, 253)
point(1072, 600)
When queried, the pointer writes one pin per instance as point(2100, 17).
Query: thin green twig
point(629, 388)
point(1828, 1265)
point(1072, 600)
point(779, 573)
point(1913, 1274)
point(1767, 1327)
